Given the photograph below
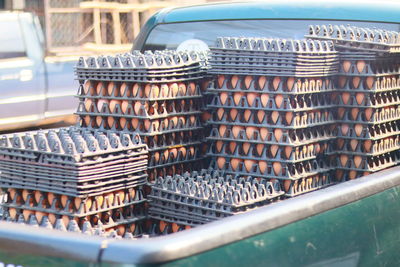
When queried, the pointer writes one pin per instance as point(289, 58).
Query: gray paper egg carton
point(292, 138)
point(375, 147)
point(208, 197)
point(370, 99)
point(357, 38)
point(87, 227)
point(369, 163)
point(149, 67)
point(301, 58)
point(379, 116)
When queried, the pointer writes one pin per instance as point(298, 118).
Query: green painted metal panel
point(352, 235)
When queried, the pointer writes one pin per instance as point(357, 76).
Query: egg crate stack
point(368, 99)
point(277, 57)
point(70, 178)
point(156, 95)
point(356, 38)
point(197, 198)
point(272, 126)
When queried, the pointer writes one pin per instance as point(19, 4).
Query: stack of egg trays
point(72, 167)
point(162, 106)
point(368, 113)
point(357, 38)
point(273, 127)
point(197, 198)
point(277, 57)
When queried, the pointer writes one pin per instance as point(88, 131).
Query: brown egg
point(182, 89)
point(221, 130)
point(110, 121)
point(88, 88)
point(232, 147)
point(290, 83)
point(164, 90)
point(192, 120)
point(279, 100)
point(342, 81)
point(13, 213)
point(343, 160)
point(135, 123)
point(289, 117)
point(174, 89)
point(357, 161)
point(277, 167)
point(113, 104)
point(274, 150)
point(221, 79)
point(247, 115)
point(247, 81)
point(39, 216)
point(192, 88)
point(112, 89)
point(64, 200)
point(250, 130)
point(125, 90)
point(122, 122)
point(260, 115)
point(352, 175)
point(356, 81)
point(344, 129)
point(163, 225)
point(155, 91)
point(124, 106)
point(370, 82)
point(360, 98)
point(368, 113)
point(246, 148)
point(233, 113)
point(12, 192)
point(236, 130)
point(278, 134)
point(262, 165)
point(251, 97)
point(275, 83)
point(223, 97)
point(174, 152)
point(100, 89)
point(136, 107)
point(248, 164)
point(367, 145)
point(264, 99)
point(183, 151)
point(88, 104)
point(259, 149)
point(101, 103)
point(234, 81)
point(27, 214)
point(360, 65)
point(147, 90)
point(237, 97)
point(354, 113)
point(263, 133)
point(25, 194)
point(346, 65)
point(288, 152)
point(220, 113)
point(135, 90)
point(50, 198)
point(235, 163)
point(262, 80)
point(175, 227)
point(218, 145)
point(353, 144)
point(274, 116)
point(345, 97)
point(358, 129)
point(37, 196)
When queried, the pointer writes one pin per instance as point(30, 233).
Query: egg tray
point(346, 175)
point(275, 119)
point(375, 67)
point(291, 138)
point(305, 185)
point(65, 205)
point(288, 103)
point(85, 226)
point(271, 85)
point(257, 71)
point(171, 160)
point(357, 38)
point(346, 161)
point(136, 60)
point(141, 130)
point(367, 99)
point(175, 140)
point(366, 147)
point(140, 112)
point(122, 170)
point(191, 91)
point(72, 146)
point(272, 153)
point(377, 115)
point(354, 130)
point(284, 171)
point(371, 84)
point(191, 222)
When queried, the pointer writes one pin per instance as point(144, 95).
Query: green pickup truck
point(355, 223)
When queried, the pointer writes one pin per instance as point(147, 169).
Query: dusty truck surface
point(354, 223)
point(36, 88)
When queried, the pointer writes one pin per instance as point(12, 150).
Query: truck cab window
point(11, 39)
